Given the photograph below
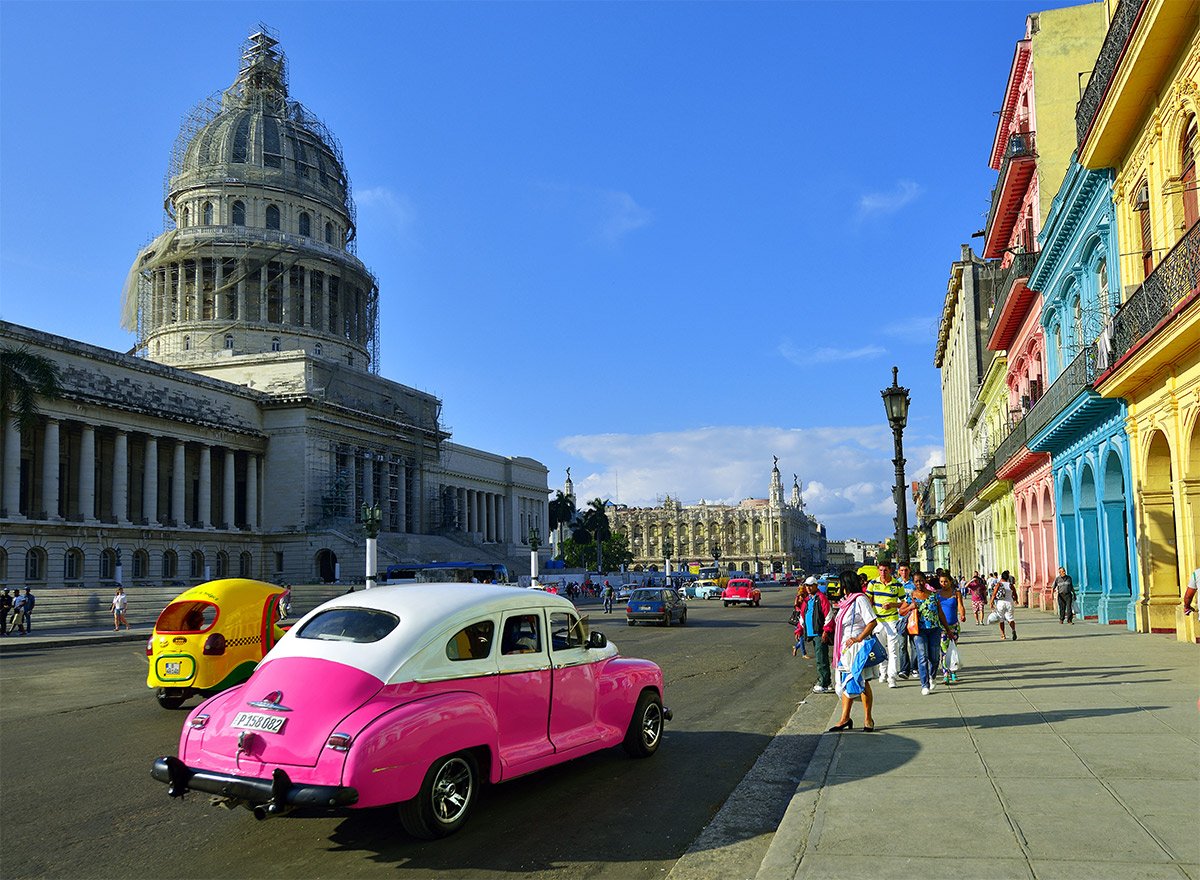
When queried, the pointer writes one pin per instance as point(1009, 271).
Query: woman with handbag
point(953, 613)
point(855, 648)
point(925, 624)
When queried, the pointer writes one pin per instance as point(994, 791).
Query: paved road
point(79, 730)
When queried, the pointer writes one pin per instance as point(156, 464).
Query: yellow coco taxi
point(211, 637)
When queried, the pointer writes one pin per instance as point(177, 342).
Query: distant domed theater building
point(249, 426)
point(760, 536)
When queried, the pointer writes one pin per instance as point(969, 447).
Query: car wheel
point(666, 618)
point(646, 726)
point(683, 618)
point(170, 698)
point(445, 799)
point(726, 604)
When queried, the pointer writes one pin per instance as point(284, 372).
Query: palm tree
point(561, 511)
point(24, 376)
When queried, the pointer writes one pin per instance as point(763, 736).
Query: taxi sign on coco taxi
point(416, 696)
point(211, 637)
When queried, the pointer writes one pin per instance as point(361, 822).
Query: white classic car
point(415, 695)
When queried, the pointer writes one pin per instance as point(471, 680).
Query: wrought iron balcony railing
point(1175, 277)
point(1020, 267)
point(1078, 376)
point(1021, 145)
point(1119, 29)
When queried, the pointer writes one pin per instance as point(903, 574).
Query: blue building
point(1083, 432)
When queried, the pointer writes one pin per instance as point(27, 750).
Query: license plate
point(258, 721)
point(173, 667)
point(644, 608)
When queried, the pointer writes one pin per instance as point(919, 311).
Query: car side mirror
point(597, 640)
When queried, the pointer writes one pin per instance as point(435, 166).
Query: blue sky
point(657, 243)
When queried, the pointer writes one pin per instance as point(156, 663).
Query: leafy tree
point(615, 551)
point(24, 376)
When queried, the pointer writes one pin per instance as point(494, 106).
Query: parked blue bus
point(448, 573)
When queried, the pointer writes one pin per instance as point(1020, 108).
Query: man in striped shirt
point(886, 593)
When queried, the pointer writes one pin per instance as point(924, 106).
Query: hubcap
point(452, 789)
point(651, 725)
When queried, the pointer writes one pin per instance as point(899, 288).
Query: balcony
point(1020, 159)
point(1012, 298)
point(1174, 280)
point(1119, 29)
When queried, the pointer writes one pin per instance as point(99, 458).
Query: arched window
point(141, 564)
point(108, 564)
point(186, 218)
point(73, 564)
point(197, 564)
point(170, 564)
point(1187, 174)
point(1077, 325)
point(206, 214)
point(272, 217)
point(320, 349)
point(245, 564)
point(239, 214)
point(328, 233)
point(305, 224)
point(187, 343)
point(35, 564)
point(229, 342)
point(222, 564)
point(275, 343)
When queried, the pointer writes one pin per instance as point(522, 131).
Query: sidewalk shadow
point(1021, 719)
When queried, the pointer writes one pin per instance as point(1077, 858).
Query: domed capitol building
point(249, 426)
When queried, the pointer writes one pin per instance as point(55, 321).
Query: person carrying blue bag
point(857, 651)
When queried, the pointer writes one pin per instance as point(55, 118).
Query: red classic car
point(741, 591)
point(417, 695)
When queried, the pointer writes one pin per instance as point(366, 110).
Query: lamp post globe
point(895, 404)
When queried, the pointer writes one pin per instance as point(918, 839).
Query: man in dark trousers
point(1064, 589)
point(5, 611)
point(815, 614)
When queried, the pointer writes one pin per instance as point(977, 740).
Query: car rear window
point(646, 596)
point(187, 617)
point(362, 625)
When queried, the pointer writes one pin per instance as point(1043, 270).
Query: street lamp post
point(895, 402)
point(535, 541)
point(371, 518)
point(715, 550)
point(668, 549)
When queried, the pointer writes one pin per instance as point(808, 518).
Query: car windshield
point(360, 625)
point(646, 596)
point(187, 617)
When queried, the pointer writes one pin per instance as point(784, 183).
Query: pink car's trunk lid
point(309, 697)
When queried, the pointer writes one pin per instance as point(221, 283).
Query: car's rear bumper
point(739, 600)
point(655, 616)
point(276, 793)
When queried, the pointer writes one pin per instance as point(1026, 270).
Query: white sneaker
point(891, 682)
point(931, 684)
point(924, 692)
point(817, 689)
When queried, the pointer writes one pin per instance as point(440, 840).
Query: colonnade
point(75, 472)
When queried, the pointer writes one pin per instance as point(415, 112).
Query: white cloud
point(850, 468)
point(880, 204)
point(390, 208)
point(622, 215)
point(806, 357)
point(607, 215)
point(915, 328)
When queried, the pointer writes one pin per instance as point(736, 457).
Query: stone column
point(252, 491)
point(368, 478)
point(12, 469)
point(227, 492)
point(204, 491)
point(308, 315)
point(87, 474)
point(499, 514)
point(460, 495)
point(243, 266)
point(323, 323)
point(120, 477)
point(489, 511)
point(219, 312)
point(150, 482)
point(402, 489)
point(285, 291)
point(50, 470)
point(178, 485)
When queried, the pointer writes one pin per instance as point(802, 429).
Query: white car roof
point(426, 612)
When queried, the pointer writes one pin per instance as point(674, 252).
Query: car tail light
point(199, 722)
point(339, 742)
point(214, 644)
point(150, 646)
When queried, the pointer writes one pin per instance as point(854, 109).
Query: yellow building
point(995, 513)
point(1138, 116)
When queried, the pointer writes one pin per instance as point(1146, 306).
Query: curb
point(12, 644)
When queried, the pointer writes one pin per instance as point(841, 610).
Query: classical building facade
point(253, 427)
point(759, 535)
point(1138, 117)
point(933, 532)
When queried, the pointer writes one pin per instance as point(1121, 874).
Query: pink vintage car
point(415, 695)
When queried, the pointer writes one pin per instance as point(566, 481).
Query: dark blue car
point(660, 605)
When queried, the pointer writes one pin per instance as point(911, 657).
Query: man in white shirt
point(1002, 603)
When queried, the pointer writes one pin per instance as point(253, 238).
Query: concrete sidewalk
point(1073, 752)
